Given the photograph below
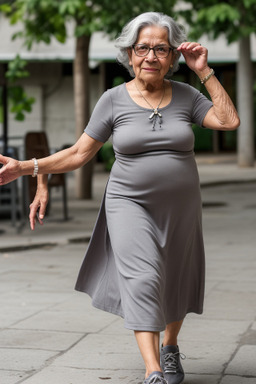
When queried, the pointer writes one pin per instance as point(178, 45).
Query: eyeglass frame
point(153, 49)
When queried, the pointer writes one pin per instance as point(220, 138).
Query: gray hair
point(130, 33)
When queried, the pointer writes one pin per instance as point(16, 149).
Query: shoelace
point(158, 380)
point(171, 361)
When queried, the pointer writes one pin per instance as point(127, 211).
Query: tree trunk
point(81, 98)
point(245, 104)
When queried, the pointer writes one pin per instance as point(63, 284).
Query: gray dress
point(145, 261)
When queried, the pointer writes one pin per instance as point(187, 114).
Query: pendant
point(154, 115)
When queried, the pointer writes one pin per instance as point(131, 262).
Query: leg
point(148, 343)
point(170, 354)
point(171, 333)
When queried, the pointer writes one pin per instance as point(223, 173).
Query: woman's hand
point(196, 57)
point(39, 204)
point(10, 171)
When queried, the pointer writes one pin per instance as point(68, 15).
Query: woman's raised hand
point(10, 171)
point(196, 57)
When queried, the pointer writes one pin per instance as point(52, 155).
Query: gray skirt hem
point(139, 327)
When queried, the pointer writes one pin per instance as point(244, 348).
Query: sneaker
point(171, 365)
point(155, 378)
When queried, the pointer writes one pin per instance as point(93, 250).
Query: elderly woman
point(145, 260)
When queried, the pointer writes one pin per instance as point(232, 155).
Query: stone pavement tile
point(63, 375)
point(81, 303)
point(30, 299)
point(244, 362)
point(51, 341)
point(230, 270)
point(222, 305)
point(11, 377)
point(66, 321)
point(11, 315)
point(229, 379)
point(117, 328)
point(206, 357)
point(209, 286)
point(103, 352)
point(239, 286)
point(201, 379)
point(24, 359)
point(204, 330)
point(249, 338)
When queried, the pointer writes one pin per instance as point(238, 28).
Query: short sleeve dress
point(145, 260)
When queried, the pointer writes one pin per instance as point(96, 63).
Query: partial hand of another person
point(39, 204)
point(10, 171)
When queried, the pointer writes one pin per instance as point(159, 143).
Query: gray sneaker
point(155, 378)
point(171, 365)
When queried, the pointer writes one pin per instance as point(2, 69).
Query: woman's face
point(151, 69)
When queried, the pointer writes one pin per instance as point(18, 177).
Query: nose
point(151, 55)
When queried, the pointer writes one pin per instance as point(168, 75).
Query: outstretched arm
point(223, 115)
point(63, 161)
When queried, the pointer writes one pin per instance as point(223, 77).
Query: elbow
point(232, 125)
point(235, 123)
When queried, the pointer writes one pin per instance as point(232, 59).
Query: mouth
point(150, 69)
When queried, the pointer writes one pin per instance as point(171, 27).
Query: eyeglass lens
point(159, 50)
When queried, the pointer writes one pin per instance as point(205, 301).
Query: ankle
point(155, 368)
point(173, 342)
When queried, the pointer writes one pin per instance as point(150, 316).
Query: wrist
point(26, 167)
point(204, 72)
point(205, 75)
point(42, 180)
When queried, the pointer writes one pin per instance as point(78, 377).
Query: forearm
point(66, 160)
point(59, 162)
point(225, 113)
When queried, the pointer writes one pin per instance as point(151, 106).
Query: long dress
point(145, 261)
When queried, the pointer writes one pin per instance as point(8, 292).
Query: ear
point(129, 51)
point(173, 57)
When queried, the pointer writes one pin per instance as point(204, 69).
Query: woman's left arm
point(223, 115)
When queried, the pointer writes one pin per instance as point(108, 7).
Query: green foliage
point(20, 102)
point(16, 69)
point(44, 19)
point(233, 18)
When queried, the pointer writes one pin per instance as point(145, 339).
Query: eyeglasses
point(160, 51)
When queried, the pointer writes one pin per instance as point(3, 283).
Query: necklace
point(155, 114)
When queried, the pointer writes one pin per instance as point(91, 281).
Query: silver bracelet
point(35, 172)
point(203, 81)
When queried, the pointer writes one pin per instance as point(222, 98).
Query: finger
point(2, 159)
point(32, 215)
point(42, 211)
point(32, 222)
point(189, 46)
point(40, 220)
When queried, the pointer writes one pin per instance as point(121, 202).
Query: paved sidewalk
point(50, 334)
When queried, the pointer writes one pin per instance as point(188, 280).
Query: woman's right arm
point(78, 155)
point(60, 162)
